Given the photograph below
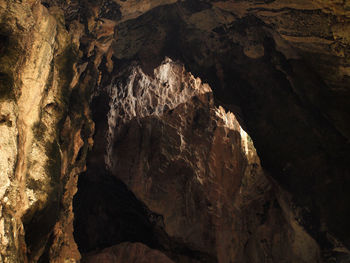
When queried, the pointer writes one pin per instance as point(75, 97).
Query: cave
point(175, 131)
point(274, 98)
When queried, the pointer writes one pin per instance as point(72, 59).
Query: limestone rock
point(194, 168)
point(34, 103)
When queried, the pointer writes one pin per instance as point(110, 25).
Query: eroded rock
point(194, 168)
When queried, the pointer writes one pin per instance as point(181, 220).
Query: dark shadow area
point(107, 213)
point(38, 229)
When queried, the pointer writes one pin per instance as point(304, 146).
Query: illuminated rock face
point(38, 166)
point(178, 157)
point(280, 66)
point(194, 167)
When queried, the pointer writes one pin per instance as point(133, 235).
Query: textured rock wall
point(265, 62)
point(195, 169)
point(38, 165)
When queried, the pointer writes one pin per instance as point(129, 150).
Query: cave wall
point(256, 70)
point(194, 167)
point(40, 134)
point(282, 68)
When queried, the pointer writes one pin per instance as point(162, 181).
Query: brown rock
point(193, 164)
point(128, 252)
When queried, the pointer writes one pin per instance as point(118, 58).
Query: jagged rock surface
point(195, 168)
point(280, 66)
point(38, 166)
point(194, 165)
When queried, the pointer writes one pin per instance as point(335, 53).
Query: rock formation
point(196, 169)
point(129, 252)
point(112, 92)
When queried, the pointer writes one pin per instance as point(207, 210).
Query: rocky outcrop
point(194, 168)
point(260, 60)
point(38, 167)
